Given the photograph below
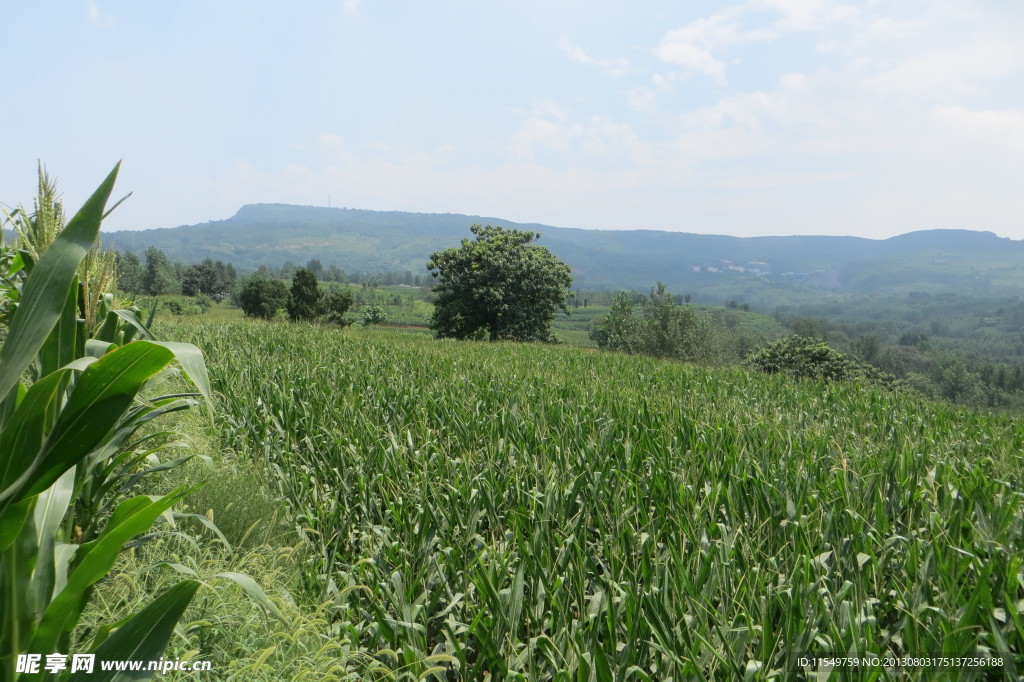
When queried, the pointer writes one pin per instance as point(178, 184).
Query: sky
point(756, 117)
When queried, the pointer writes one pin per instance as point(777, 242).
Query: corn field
point(506, 511)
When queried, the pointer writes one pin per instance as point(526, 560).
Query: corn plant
point(69, 403)
point(35, 231)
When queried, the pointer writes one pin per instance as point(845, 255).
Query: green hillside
point(507, 511)
point(759, 269)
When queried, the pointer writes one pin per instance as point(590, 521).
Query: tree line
point(332, 273)
point(156, 275)
point(261, 296)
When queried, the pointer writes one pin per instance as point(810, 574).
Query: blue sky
point(871, 118)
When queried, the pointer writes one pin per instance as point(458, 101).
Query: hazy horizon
point(105, 229)
point(748, 118)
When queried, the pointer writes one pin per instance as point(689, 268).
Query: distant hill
point(707, 265)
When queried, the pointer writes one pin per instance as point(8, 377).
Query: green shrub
point(372, 314)
point(804, 357)
point(660, 328)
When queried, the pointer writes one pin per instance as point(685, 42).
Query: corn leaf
point(51, 505)
point(62, 343)
point(103, 392)
point(23, 437)
point(95, 559)
point(191, 360)
point(256, 592)
point(144, 636)
point(12, 519)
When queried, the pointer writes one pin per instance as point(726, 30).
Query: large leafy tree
point(262, 297)
point(304, 301)
point(499, 286)
point(334, 305)
point(159, 277)
point(130, 273)
point(209, 277)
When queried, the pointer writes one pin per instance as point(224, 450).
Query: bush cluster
point(178, 305)
point(372, 314)
point(660, 328)
point(809, 358)
point(260, 296)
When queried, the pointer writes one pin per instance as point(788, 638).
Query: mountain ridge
point(370, 241)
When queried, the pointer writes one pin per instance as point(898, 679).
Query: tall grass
point(524, 512)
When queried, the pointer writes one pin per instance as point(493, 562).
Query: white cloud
point(950, 72)
point(803, 13)
point(614, 67)
point(994, 129)
point(885, 71)
point(541, 135)
point(678, 50)
point(793, 81)
point(98, 18)
point(574, 141)
point(778, 180)
point(351, 6)
point(548, 134)
point(810, 15)
point(643, 99)
point(691, 46)
point(695, 45)
point(330, 139)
